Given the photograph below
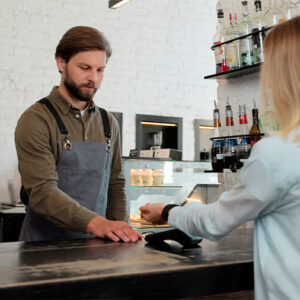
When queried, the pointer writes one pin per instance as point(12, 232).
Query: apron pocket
point(81, 185)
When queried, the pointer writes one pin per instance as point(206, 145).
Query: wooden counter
point(93, 268)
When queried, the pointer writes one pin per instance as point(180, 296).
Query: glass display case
point(151, 181)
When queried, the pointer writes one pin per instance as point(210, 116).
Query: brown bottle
point(217, 122)
point(255, 127)
point(229, 119)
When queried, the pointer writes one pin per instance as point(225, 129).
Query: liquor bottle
point(229, 119)
point(255, 127)
point(232, 48)
point(218, 38)
point(273, 14)
point(235, 21)
point(217, 122)
point(230, 154)
point(230, 145)
point(244, 150)
point(259, 24)
point(288, 10)
point(217, 155)
point(243, 119)
point(268, 119)
point(246, 45)
point(244, 147)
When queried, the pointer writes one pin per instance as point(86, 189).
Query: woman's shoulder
point(272, 147)
point(277, 153)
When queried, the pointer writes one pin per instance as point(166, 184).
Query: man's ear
point(61, 63)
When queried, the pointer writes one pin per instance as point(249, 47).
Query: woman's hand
point(152, 213)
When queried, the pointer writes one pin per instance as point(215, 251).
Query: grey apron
point(83, 173)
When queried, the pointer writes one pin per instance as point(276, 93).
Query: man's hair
point(280, 76)
point(82, 38)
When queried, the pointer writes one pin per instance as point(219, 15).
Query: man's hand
point(152, 213)
point(113, 230)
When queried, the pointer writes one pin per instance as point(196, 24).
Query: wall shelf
point(255, 68)
point(163, 186)
point(236, 73)
point(236, 136)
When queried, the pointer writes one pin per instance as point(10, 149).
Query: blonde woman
point(269, 186)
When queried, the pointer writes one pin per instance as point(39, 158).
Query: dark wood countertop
point(93, 268)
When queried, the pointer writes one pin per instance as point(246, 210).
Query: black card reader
point(172, 234)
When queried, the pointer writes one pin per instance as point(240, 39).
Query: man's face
point(83, 74)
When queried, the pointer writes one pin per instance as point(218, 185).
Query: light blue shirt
point(269, 193)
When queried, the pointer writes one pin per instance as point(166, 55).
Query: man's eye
point(84, 67)
point(100, 70)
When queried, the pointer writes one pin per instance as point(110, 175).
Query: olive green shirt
point(39, 147)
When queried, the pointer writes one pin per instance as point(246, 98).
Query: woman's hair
point(82, 38)
point(280, 76)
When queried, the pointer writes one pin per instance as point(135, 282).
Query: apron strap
point(59, 122)
point(62, 127)
point(105, 121)
point(23, 194)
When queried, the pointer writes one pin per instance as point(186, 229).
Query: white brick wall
point(161, 52)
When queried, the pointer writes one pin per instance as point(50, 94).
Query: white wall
point(161, 52)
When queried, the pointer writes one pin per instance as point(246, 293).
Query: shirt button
point(77, 116)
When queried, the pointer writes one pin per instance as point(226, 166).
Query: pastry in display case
point(165, 181)
point(147, 177)
point(158, 177)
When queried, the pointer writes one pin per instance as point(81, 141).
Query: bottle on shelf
point(217, 155)
point(244, 150)
point(273, 15)
point(230, 154)
point(255, 125)
point(288, 10)
point(235, 21)
point(246, 44)
point(218, 38)
point(243, 119)
point(232, 48)
point(258, 24)
point(217, 122)
point(268, 120)
point(229, 119)
point(230, 144)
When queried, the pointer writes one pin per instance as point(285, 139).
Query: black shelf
point(242, 70)
point(236, 73)
point(156, 186)
point(236, 136)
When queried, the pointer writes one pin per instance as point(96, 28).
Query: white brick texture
point(161, 52)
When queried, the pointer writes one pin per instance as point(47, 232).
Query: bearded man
point(69, 151)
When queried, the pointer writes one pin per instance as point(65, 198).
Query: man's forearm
point(57, 207)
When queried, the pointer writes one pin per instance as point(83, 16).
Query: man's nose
point(93, 76)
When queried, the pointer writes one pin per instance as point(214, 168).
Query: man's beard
point(75, 90)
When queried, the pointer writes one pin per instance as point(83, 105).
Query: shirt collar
point(64, 105)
